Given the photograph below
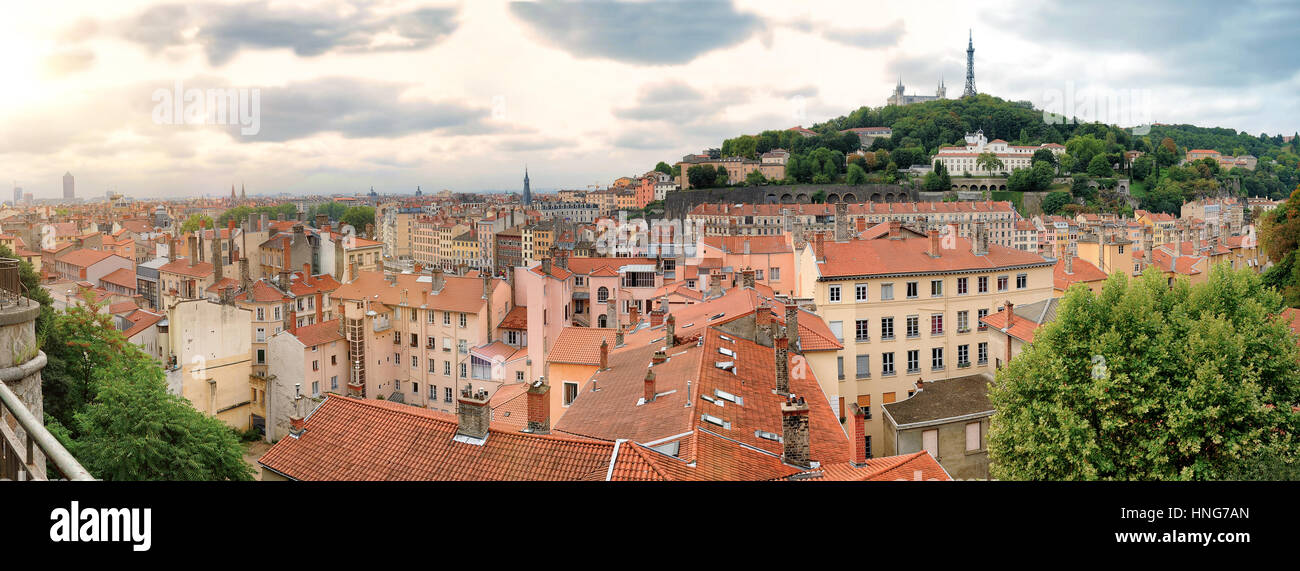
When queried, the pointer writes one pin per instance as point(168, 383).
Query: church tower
point(970, 67)
point(528, 193)
point(942, 92)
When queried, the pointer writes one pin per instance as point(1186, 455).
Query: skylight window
point(727, 339)
point(718, 316)
point(715, 421)
point(767, 435)
point(724, 395)
point(727, 352)
point(726, 365)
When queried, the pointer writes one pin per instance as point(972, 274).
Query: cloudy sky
point(453, 95)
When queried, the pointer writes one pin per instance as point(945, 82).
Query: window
point(914, 361)
point(887, 291)
point(961, 285)
point(758, 275)
point(936, 288)
point(519, 376)
point(334, 383)
point(415, 340)
point(277, 313)
point(861, 330)
point(431, 315)
point(963, 321)
point(860, 292)
point(835, 294)
point(839, 367)
point(446, 394)
point(837, 327)
point(315, 365)
point(864, 366)
point(913, 326)
point(1002, 283)
point(936, 358)
point(415, 388)
point(973, 441)
point(397, 338)
point(462, 321)
point(1022, 281)
point(963, 355)
point(446, 318)
point(446, 368)
point(415, 362)
point(775, 273)
point(983, 354)
point(912, 289)
point(462, 370)
point(887, 364)
point(930, 441)
point(462, 346)
point(570, 392)
point(886, 328)
point(936, 324)
point(433, 364)
point(446, 344)
point(261, 314)
point(983, 284)
point(397, 358)
point(315, 388)
point(602, 294)
point(433, 392)
point(980, 315)
point(261, 335)
point(415, 313)
point(397, 311)
point(397, 385)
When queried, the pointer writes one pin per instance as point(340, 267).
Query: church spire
point(528, 192)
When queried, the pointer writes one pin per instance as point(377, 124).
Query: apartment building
point(910, 308)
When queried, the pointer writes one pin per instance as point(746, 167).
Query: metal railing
point(17, 453)
point(12, 291)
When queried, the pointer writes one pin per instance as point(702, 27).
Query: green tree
point(334, 210)
point(1042, 174)
point(79, 341)
point(1044, 155)
point(989, 162)
point(195, 220)
point(1142, 167)
point(135, 430)
point(664, 168)
point(856, 175)
point(1099, 166)
point(755, 178)
point(359, 217)
point(1151, 382)
point(1053, 202)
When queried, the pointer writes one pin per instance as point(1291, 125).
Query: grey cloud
point(921, 74)
point(515, 145)
point(637, 32)
point(355, 109)
point(225, 30)
point(672, 101)
point(859, 38)
point(1199, 42)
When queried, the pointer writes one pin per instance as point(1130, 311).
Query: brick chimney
point(861, 414)
point(618, 335)
point(546, 266)
point(1148, 245)
point(322, 220)
point(979, 244)
point(747, 277)
point(895, 230)
point(1069, 260)
point(539, 407)
point(934, 243)
point(306, 273)
point(819, 247)
point(604, 354)
point(193, 243)
point(920, 385)
point(782, 361)
point(417, 268)
point(792, 325)
point(841, 221)
point(230, 237)
point(473, 413)
point(794, 428)
point(320, 306)
point(657, 317)
point(634, 314)
point(670, 331)
point(660, 357)
point(1011, 315)
point(763, 325)
point(715, 285)
point(650, 386)
point(286, 264)
point(245, 278)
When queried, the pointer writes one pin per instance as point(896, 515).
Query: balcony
point(18, 460)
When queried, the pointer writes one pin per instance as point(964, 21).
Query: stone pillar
point(18, 348)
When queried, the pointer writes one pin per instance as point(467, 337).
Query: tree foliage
point(1053, 202)
point(1151, 381)
point(195, 221)
point(359, 217)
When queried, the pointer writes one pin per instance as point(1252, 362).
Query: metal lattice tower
point(970, 67)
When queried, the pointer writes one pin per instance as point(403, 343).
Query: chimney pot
point(794, 425)
point(604, 354)
point(934, 243)
point(539, 407)
point(473, 413)
point(650, 386)
point(1011, 315)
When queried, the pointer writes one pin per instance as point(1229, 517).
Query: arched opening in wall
point(832, 198)
point(787, 198)
point(771, 197)
point(849, 197)
point(602, 294)
point(877, 197)
point(802, 198)
point(963, 187)
point(984, 187)
point(1002, 187)
point(602, 322)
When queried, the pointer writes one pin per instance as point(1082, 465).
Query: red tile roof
point(320, 333)
point(580, 345)
point(352, 439)
point(516, 319)
point(458, 293)
point(855, 258)
point(1083, 272)
point(85, 258)
point(182, 266)
point(124, 277)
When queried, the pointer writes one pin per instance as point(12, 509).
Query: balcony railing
point(17, 454)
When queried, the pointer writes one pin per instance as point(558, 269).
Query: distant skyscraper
point(69, 187)
point(18, 194)
point(970, 67)
point(528, 193)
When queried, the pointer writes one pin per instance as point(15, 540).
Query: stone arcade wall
point(679, 203)
point(18, 346)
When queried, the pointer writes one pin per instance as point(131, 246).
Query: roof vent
point(715, 421)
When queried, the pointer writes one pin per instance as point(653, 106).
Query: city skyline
point(355, 96)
